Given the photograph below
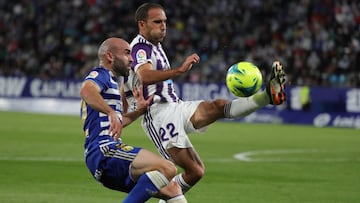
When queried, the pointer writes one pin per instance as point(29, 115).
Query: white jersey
point(143, 52)
point(167, 120)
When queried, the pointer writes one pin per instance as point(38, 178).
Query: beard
point(120, 67)
point(156, 37)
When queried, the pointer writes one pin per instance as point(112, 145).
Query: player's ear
point(109, 57)
point(141, 23)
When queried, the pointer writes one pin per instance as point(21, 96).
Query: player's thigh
point(147, 161)
point(186, 158)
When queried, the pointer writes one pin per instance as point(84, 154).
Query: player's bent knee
point(168, 169)
point(196, 172)
point(200, 172)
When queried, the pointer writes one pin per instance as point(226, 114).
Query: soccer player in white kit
point(168, 120)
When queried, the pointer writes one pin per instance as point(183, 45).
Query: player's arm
point(90, 93)
point(142, 106)
point(123, 98)
point(149, 76)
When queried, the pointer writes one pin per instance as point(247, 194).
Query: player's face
point(122, 62)
point(155, 25)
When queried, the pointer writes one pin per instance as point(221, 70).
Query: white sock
point(180, 180)
point(244, 106)
point(157, 178)
point(178, 199)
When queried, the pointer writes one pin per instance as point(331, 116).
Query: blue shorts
point(109, 163)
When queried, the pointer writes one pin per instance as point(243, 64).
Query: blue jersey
point(107, 159)
point(96, 124)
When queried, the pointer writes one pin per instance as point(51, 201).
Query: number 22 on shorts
point(168, 132)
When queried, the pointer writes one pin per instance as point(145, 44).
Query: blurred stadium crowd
point(317, 40)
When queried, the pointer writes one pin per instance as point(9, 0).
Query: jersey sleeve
point(99, 77)
point(141, 54)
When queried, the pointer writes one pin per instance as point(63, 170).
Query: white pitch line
point(246, 156)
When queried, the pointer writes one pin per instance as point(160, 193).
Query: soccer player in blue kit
point(169, 119)
point(118, 166)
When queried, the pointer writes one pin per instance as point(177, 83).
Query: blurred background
point(318, 41)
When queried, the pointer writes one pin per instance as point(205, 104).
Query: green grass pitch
point(41, 161)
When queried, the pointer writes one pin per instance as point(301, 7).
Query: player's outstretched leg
point(275, 86)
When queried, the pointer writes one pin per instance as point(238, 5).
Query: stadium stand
point(318, 41)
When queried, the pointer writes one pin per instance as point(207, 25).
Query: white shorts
point(167, 124)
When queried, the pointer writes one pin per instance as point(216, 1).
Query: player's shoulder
point(98, 72)
point(140, 41)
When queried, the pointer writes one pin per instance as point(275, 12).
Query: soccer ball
point(243, 79)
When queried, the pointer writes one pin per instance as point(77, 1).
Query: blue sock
point(143, 190)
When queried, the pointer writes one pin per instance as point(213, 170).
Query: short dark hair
point(142, 12)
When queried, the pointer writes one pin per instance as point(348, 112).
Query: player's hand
point(170, 190)
point(141, 103)
point(115, 126)
point(189, 61)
